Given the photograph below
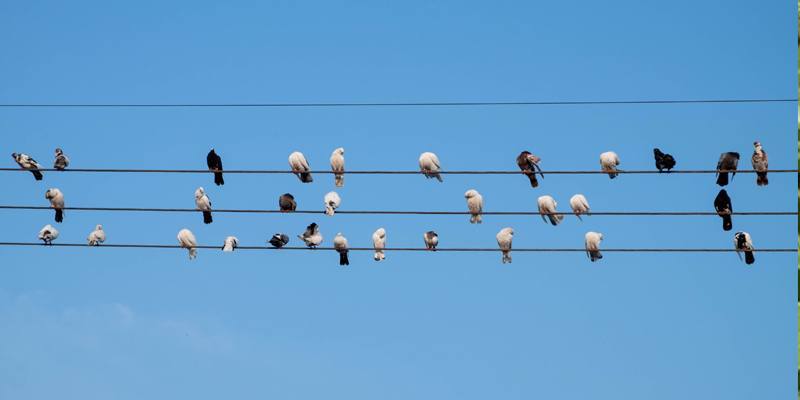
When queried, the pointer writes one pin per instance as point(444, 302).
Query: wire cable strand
point(386, 172)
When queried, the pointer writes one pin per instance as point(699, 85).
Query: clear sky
point(132, 324)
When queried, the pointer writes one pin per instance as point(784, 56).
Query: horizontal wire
point(379, 172)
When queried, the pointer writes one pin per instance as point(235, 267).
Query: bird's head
point(59, 151)
point(14, 156)
point(471, 193)
point(339, 151)
point(757, 145)
point(98, 227)
point(657, 151)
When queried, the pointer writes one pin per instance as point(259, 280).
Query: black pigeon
point(529, 164)
point(215, 164)
point(727, 162)
point(279, 240)
point(286, 202)
point(722, 203)
point(663, 161)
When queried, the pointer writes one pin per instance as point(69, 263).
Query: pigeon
point(187, 241)
point(337, 166)
point(26, 162)
point(592, 244)
point(231, 243)
point(504, 238)
point(299, 165)
point(727, 162)
point(429, 165)
point(609, 162)
point(279, 240)
point(663, 161)
point(722, 203)
point(214, 162)
point(332, 202)
point(57, 202)
point(340, 245)
point(203, 204)
point(431, 240)
point(529, 164)
point(48, 234)
point(742, 242)
point(579, 205)
point(97, 236)
point(286, 202)
point(547, 208)
point(760, 164)
point(62, 161)
point(379, 243)
point(311, 236)
point(475, 205)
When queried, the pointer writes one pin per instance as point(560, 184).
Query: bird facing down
point(340, 245)
point(187, 241)
point(231, 243)
point(332, 202)
point(62, 161)
point(529, 164)
point(579, 205)
point(722, 203)
point(742, 242)
point(214, 163)
point(592, 243)
point(26, 162)
point(300, 167)
point(48, 234)
point(311, 237)
point(760, 164)
point(279, 240)
point(379, 243)
point(727, 162)
point(547, 208)
point(203, 204)
point(97, 236)
point(431, 240)
point(337, 166)
point(609, 162)
point(663, 161)
point(504, 238)
point(429, 165)
point(286, 202)
point(475, 205)
point(56, 202)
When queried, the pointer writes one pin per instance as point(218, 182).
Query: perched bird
point(504, 238)
point(727, 162)
point(429, 165)
point(579, 205)
point(379, 243)
point(742, 242)
point(431, 240)
point(48, 234)
point(337, 166)
point(214, 163)
point(61, 162)
point(26, 162)
point(97, 236)
point(332, 202)
point(340, 245)
point(547, 208)
point(760, 164)
point(279, 240)
point(722, 203)
point(203, 204)
point(56, 202)
point(529, 164)
point(187, 241)
point(286, 202)
point(592, 243)
point(663, 161)
point(231, 243)
point(475, 205)
point(609, 162)
point(299, 165)
point(311, 237)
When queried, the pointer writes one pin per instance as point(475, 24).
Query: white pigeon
point(26, 162)
point(61, 161)
point(187, 241)
point(332, 202)
point(592, 244)
point(203, 204)
point(579, 205)
point(56, 202)
point(231, 243)
point(337, 166)
point(743, 243)
point(547, 209)
point(48, 234)
point(311, 237)
point(504, 238)
point(431, 239)
point(429, 165)
point(97, 236)
point(379, 243)
point(609, 162)
point(475, 205)
point(300, 167)
point(340, 245)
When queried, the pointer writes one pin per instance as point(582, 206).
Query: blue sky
point(128, 324)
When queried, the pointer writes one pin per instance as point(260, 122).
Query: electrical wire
point(385, 172)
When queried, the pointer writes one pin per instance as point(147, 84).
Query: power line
point(387, 172)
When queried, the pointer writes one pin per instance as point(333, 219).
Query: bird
point(332, 202)
point(475, 205)
point(547, 208)
point(760, 164)
point(722, 203)
point(504, 238)
point(203, 204)
point(742, 242)
point(579, 205)
point(187, 241)
point(214, 162)
point(379, 243)
point(299, 165)
point(97, 236)
point(56, 202)
point(592, 243)
point(231, 243)
point(431, 240)
point(62, 161)
point(26, 162)
point(340, 245)
point(337, 166)
point(727, 162)
point(48, 234)
point(286, 202)
point(609, 162)
point(529, 164)
point(279, 240)
point(429, 165)
point(663, 161)
point(311, 236)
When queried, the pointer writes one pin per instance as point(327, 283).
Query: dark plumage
point(279, 240)
point(722, 203)
point(286, 202)
point(663, 161)
point(529, 164)
point(214, 162)
point(207, 217)
point(727, 162)
point(742, 244)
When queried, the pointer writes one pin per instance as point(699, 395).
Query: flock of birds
point(430, 167)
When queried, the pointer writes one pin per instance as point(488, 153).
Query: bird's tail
point(37, 174)
point(762, 180)
point(192, 253)
point(534, 181)
point(218, 178)
point(59, 215)
point(722, 178)
point(749, 258)
point(438, 177)
point(579, 216)
point(379, 255)
point(343, 258)
point(506, 256)
point(475, 219)
point(339, 179)
point(595, 255)
point(613, 174)
point(305, 177)
point(555, 219)
point(207, 217)
point(727, 222)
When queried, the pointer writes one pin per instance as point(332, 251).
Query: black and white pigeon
point(760, 164)
point(203, 204)
point(742, 242)
point(592, 244)
point(311, 237)
point(62, 161)
point(56, 199)
point(26, 162)
point(214, 162)
point(727, 162)
point(230, 244)
point(279, 240)
point(529, 164)
point(663, 161)
point(286, 202)
point(340, 245)
point(48, 234)
point(431, 240)
point(722, 203)
point(300, 167)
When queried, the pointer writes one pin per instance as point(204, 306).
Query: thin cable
point(379, 172)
